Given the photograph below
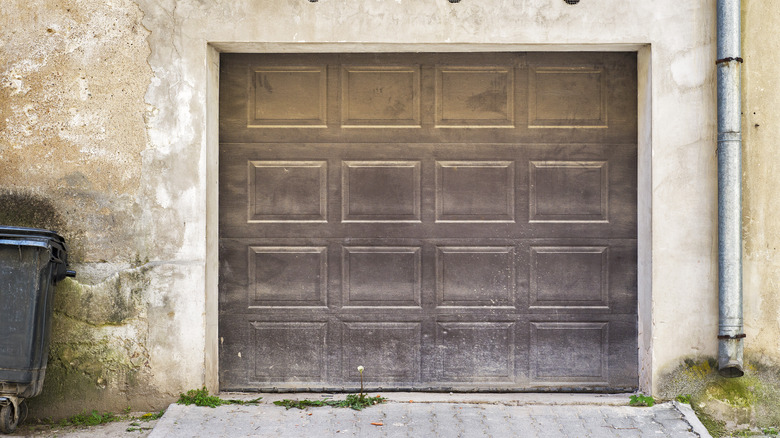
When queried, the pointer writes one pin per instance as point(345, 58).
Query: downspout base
point(730, 358)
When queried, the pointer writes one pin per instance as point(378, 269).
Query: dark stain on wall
point(26, 209)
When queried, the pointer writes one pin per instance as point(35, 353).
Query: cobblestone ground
point(439, 419)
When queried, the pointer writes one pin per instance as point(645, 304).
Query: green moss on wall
point(86, 367)
point(112, 302)
point(97, 358)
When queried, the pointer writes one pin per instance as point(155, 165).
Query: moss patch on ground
point(726, 406)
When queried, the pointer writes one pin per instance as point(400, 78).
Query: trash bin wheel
point(7, 422)
point(22, 411)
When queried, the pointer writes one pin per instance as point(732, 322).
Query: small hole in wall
point(571, 2)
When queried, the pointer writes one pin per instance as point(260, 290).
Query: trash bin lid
point(23, 236)
point(25, 231)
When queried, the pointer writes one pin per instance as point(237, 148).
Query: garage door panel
point(380, 96)
point(476, 351)
point(381, 276)
point(475, 191)
point(568, 191)
point(287, 191)
point(468, 96)
point(577, 352)
point(381, 191)
point(287, 276)
point(569, 353)
point(288, 351)
point(284, 274)
point(388, 351)
point(447, 221)
point(475, 276)
point(287, 96)
point(567, 97)
point(570, 276)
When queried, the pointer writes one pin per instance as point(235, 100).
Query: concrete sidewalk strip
point(444, 415)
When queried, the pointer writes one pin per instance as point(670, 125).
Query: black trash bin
point(32, 260)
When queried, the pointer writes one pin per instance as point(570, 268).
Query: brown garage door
point(448, 221)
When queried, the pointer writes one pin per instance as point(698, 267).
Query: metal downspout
point(730, 326)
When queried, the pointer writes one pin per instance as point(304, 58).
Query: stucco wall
point(761, 181)
point(108, 119)
point(76, 156)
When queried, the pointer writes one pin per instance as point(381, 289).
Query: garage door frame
point(644, 195)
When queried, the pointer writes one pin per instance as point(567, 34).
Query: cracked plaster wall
point(104, 117)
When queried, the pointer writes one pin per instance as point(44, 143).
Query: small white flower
point(360, 369)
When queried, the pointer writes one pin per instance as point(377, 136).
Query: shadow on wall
point(24, 209)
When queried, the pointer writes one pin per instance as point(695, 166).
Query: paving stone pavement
point(466, 417)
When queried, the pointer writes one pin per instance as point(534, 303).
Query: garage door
point(447, 221)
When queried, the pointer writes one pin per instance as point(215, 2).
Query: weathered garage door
point(448, 221)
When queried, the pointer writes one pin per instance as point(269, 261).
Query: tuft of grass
point(684, 398)
point(353, 401)
point(90, 419)
point(641, 400)
point(201, 397)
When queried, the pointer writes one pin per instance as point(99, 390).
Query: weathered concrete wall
point(108, 134)
point(74, 157)
point(72, 79)
point(761, 184)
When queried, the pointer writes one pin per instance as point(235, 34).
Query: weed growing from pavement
point(641, 400)
point(201, 397)
point(353, 401)
point(149, 416)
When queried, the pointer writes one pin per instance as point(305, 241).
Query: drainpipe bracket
point(729, 59)
point(739, 336)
